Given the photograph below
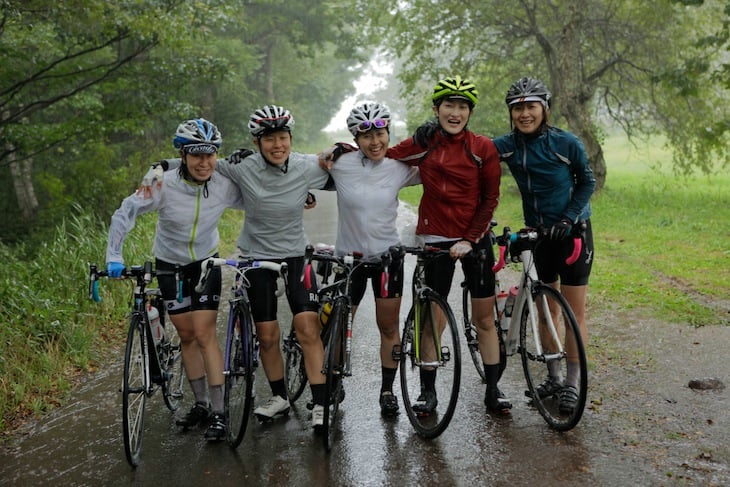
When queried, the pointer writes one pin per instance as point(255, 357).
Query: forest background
point(91, 92)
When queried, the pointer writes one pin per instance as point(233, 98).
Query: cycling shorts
point(208, 299)
point(478, 274)
point(374, 272)
point(550, 258)
point(262, 292)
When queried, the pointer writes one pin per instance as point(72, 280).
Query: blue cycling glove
point(114, 269)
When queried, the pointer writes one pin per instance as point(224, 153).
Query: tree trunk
point(21, 173)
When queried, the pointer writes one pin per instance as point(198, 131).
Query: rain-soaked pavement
point(80, 444)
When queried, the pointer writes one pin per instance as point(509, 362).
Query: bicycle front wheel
point(134, 390)
point(239, 373)
point(334, 357)
point(430, 365)
point(295, 375)
point(173, 389)
point(551, 346)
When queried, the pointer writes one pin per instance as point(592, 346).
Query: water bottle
point(324, 314)
point(509, 303)
point(153, 315)
point(501, 299)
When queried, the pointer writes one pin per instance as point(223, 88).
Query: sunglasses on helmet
point(378, 123)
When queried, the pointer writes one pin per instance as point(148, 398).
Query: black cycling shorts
point(192, 300)
point(550, 258)
point(262, 293)
point(374, 272)
point(479, 276)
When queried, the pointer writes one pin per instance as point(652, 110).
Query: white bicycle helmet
point(197, 136)
point(366, 117)
point(270, 118)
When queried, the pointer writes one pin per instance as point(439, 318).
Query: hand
point(310, 202)
point(239, 155)
point(460, 249)
point(114, 269)
point(560, 230)
point(424, 133)
point(155, 175)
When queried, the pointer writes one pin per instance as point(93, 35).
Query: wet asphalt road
point(80, 444)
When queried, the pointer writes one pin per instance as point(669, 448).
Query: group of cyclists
point(460, 173)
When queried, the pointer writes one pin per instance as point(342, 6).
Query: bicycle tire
point(334, 353)
point(173, 389)
point(240, 372)
point(134, 390)
point(295, 374)
point(470, 333)
point(448, 376)
point(534, 363)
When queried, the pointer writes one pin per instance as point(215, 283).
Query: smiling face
point(527, 117)
point(275, 146)
point(200, 166)
point(374, 143)
point(453, 115)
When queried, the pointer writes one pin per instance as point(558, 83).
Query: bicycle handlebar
point(242, 266)
point(142, 273)
point(535, 234)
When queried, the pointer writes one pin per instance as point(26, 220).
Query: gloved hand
point(424, 133)
point(310, 202)
point(239, 155)
point(560, 230)
point(331, 154)
point(155, 174)
point(460, 249)
point(114, 269)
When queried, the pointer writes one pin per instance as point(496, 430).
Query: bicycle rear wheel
point(134, 390)
point(173, 389)
point(239, 373)
point(431, 358)
point(334, 354)
point(540, 351)
point(295, 375)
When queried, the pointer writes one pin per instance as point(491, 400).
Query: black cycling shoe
point(547, 388)
point(426, 403)
point(198, 415)
point(388, 404)
point(496, 402)
point(216, 429)
point(568, 399)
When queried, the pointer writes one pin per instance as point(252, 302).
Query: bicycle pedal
point(396, 353)
point(445, 353)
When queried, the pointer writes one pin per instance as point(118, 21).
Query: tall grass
point(51, 332)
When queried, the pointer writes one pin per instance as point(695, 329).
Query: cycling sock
point(278, 388)
point(492, 373)
point(388, 379)
point(554, 369)
point(216, 398)
point(573, 374)
point(318, 393)
point(200, 390)
point(428, 379)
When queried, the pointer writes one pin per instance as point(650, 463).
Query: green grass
point(662, 241)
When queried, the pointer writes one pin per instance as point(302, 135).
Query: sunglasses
point(378, 123)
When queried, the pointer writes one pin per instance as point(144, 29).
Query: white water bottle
point(153, 315)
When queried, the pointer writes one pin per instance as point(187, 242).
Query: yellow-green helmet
point(455, 87)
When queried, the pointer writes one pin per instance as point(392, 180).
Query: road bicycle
point(152, 357)
point(538, 324)
point(429, 350)
point(336, 306)
point(241, 353)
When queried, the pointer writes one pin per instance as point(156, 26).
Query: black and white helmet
point(528, 89)
point(368, 116)
point(270, 118)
